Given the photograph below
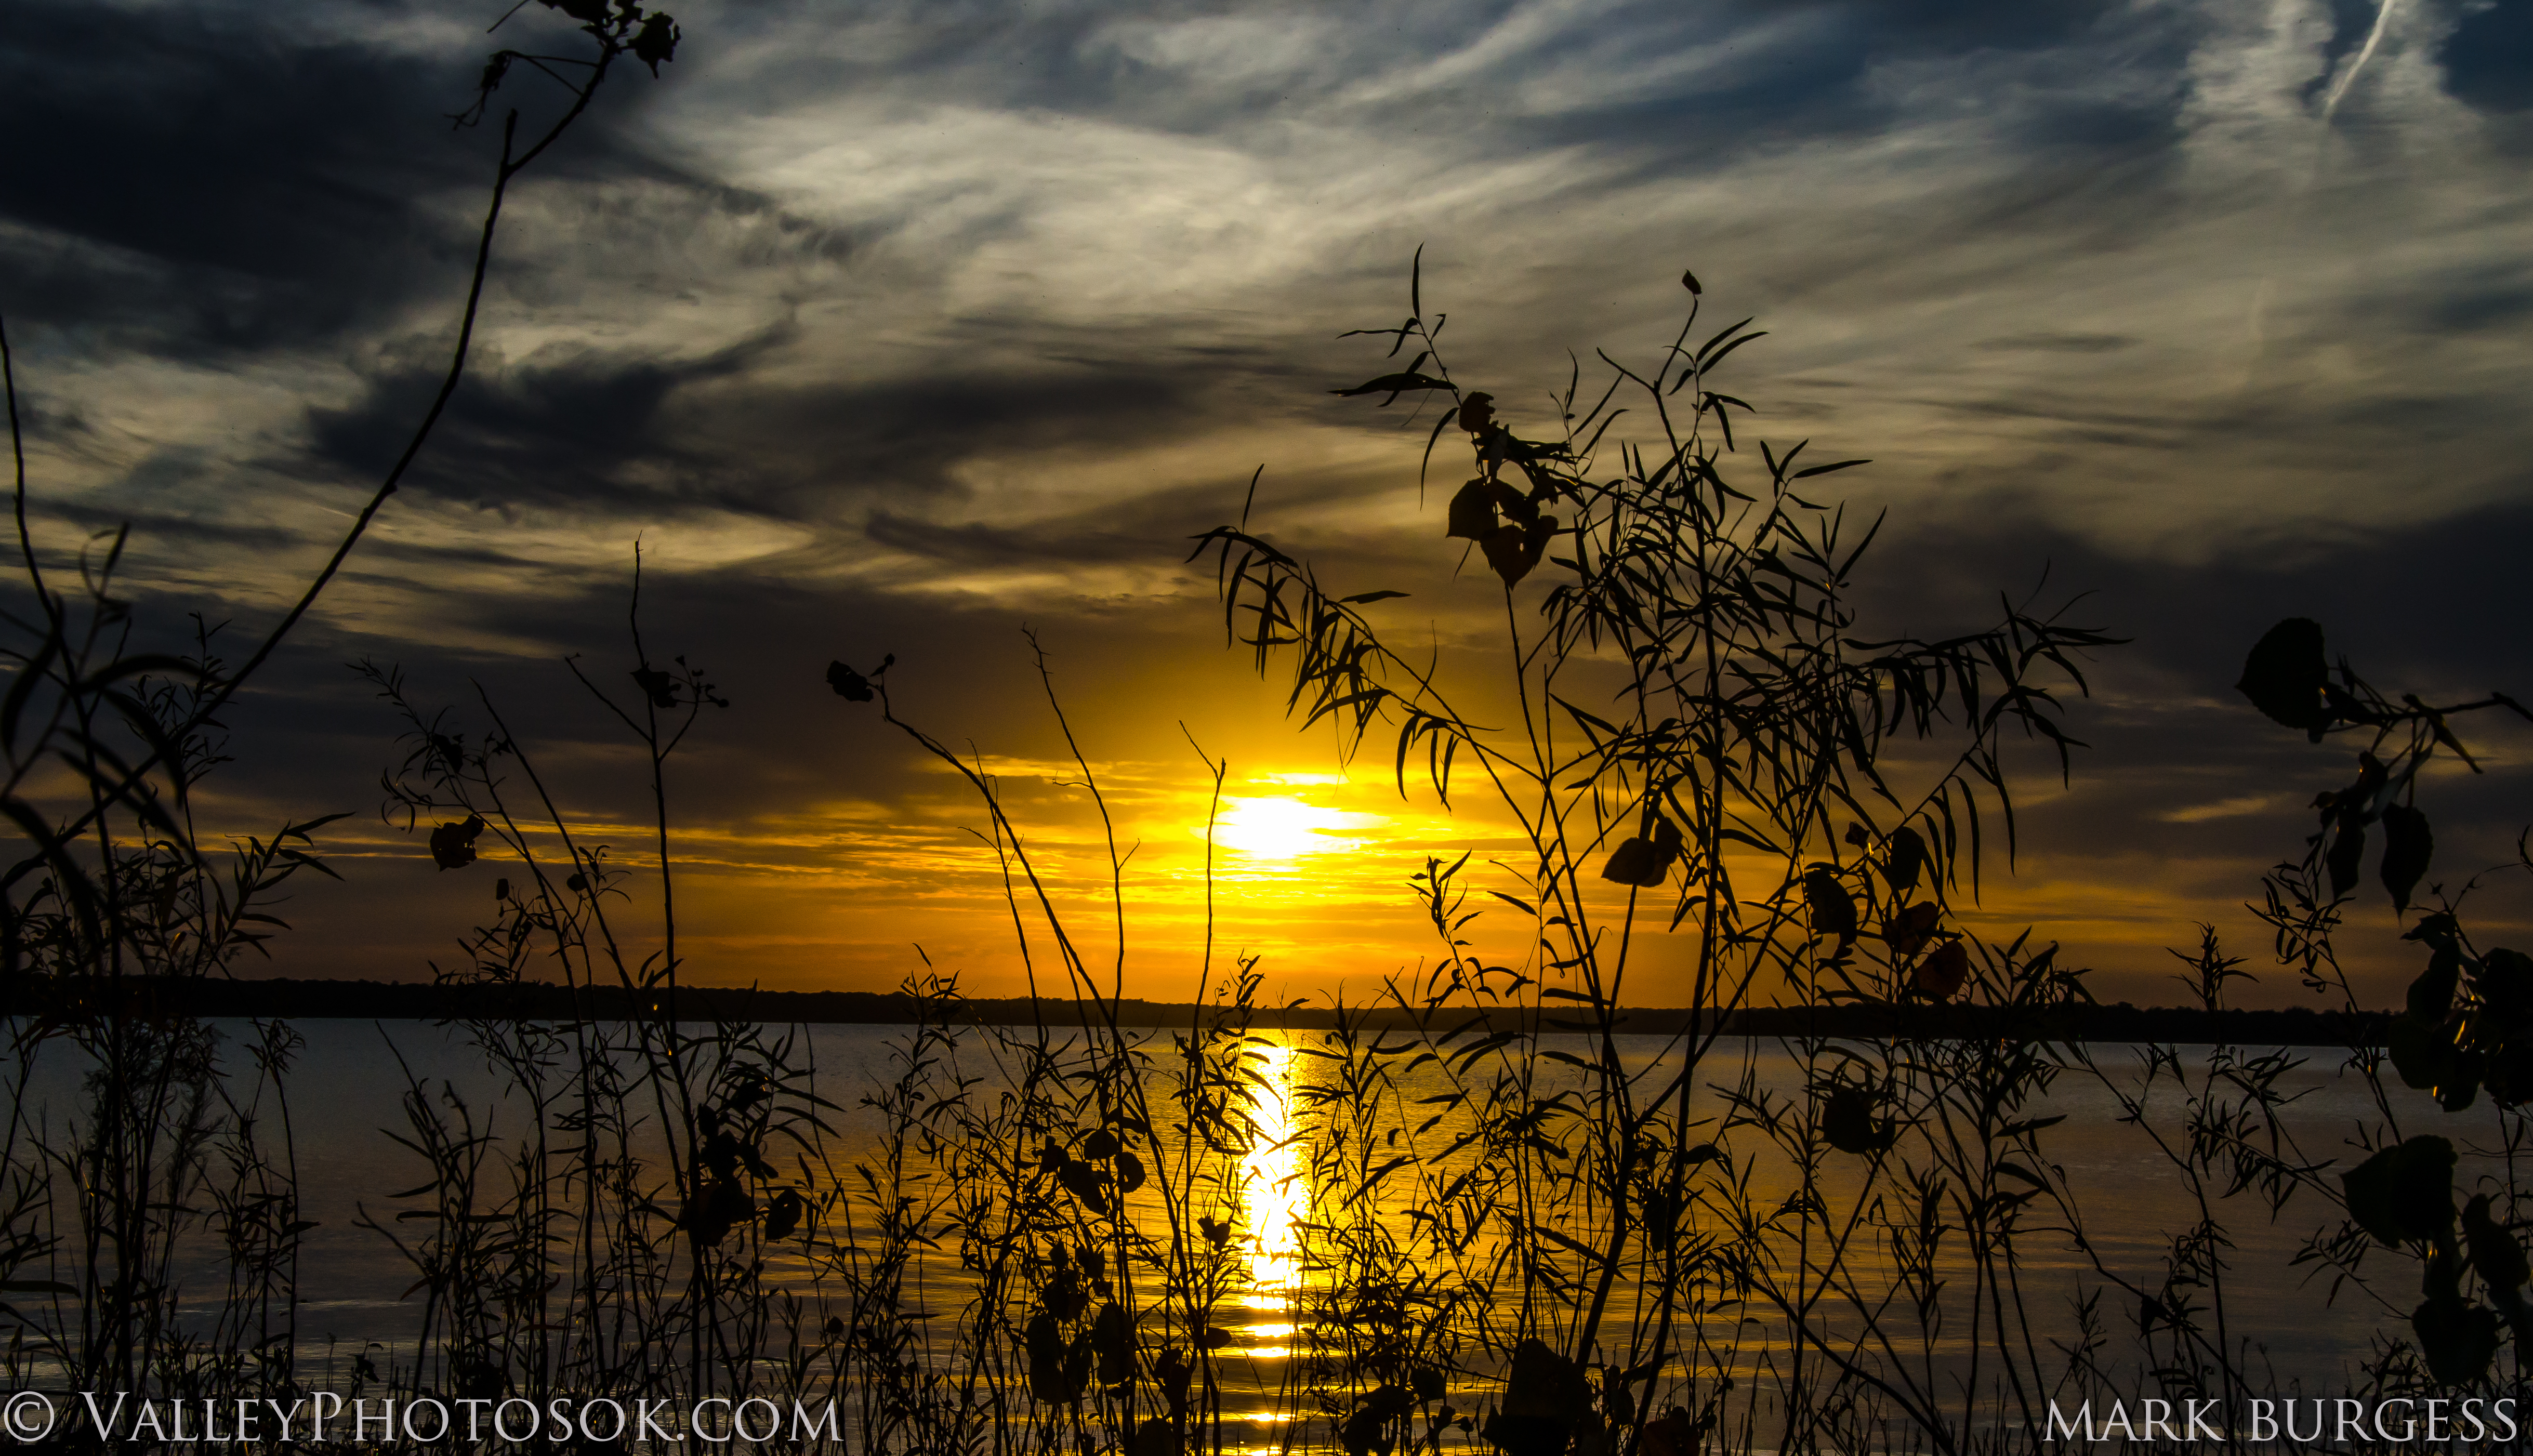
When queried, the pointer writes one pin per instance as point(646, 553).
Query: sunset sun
point(1281, 827)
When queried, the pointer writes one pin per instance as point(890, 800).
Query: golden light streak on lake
point(1275, 1198)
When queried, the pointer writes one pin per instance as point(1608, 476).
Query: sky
point(900, 328)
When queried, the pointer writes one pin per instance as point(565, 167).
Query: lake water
point(350, 1075)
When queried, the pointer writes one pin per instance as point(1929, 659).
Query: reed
point(1490, 1218)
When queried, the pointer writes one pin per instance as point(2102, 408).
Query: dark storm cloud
point(2435, 607)
point(243, 179)
point(646, 434)
point(529, 433)
point(217, 182)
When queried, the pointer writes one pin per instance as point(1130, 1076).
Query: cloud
point(2227, 808)
point(211, 182)
point(886, 329)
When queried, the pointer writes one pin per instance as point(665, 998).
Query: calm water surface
point(349, 1076)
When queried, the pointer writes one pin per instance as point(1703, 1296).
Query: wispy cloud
point(903, 323)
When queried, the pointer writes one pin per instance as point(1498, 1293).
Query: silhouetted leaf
point(1634, 862)
point(660, 686)
point(1477, 411)
point(1826, 469)
point(1546, 1397)
point(1360, 598)
point(1944, 970)
point(2407, 846)
point(2457, 1337)
point(452, 846)
point(847, 683)
point(2431, 995)
point(1085, 1182)
point(783, 1215)
point(2286, 674)
point(2461, 1081)
point(656, 41)
point(2493, 1250)
point(1473, 511)
point(2421, 1051)
point(2404, 1192)
point(1645, 862)
point(1395, 384)
point(1833, 909)
point(1518, 510)
point(1689, 280)
point(1847, 1122)
point(2347, 855)
point(2504, 982)
point(714, 1211)
point(1905, 858)
point(1363, 1431)
point(1049, 1379)
point(1907, 930)
point(1101, 1143)
point(1671, 1433)
point(1514, 550)
point(1130, 1172)
point(1112, 1337)
point(2510, 1072)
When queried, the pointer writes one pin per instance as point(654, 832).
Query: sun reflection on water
point(1273, 1192)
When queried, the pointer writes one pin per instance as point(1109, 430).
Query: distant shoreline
point(317, 999)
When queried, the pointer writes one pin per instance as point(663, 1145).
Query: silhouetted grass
point(1479, 1213)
